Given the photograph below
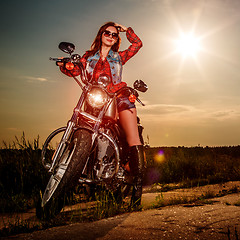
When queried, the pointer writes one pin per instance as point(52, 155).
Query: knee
point(134, 141)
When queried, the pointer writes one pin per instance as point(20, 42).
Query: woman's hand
point(60, 64)
point(120, 27)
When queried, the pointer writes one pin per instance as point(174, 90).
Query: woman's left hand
point(121, 27)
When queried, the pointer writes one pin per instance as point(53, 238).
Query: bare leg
point(128, 120)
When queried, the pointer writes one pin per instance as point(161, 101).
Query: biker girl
point(104, 59)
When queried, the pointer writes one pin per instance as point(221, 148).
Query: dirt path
point(218, 220)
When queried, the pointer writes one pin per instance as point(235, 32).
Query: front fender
point(45, 145)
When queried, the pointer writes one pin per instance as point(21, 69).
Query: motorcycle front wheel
point(66, 175)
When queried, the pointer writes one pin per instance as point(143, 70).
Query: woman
point(104, 58)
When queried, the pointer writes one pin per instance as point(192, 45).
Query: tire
point(76, 153)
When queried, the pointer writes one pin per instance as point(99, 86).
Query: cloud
point(168, 108)
point(34, 79)
point(187, 113)
point(159, 113)
point(226, 114)
point(13, 129)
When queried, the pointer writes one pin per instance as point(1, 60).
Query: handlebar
point(55, 59)
point(75, 60)
point(61, 59)
point(137, 99)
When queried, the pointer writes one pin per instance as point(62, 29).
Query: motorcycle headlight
point(96, 98)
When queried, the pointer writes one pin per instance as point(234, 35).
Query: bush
point(21, 174)
point(181, 164)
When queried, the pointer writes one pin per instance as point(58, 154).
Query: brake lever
point(137, 99)
point(61, 59)
point(55, 59)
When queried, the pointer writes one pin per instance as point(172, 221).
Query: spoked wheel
point(56, 178)
point(66, 175)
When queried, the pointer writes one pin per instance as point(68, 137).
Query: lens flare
point(188, 45)
point(159, 157)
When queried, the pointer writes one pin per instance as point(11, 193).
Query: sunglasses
point(107, 33)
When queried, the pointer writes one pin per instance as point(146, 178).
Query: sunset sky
point(193, 97)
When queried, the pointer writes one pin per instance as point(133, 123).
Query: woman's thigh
point(128, 120)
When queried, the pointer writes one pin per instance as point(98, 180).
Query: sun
point(188, 45)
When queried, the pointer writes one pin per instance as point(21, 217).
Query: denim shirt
point(114, 61)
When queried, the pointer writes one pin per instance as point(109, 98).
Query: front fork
point(63, 143)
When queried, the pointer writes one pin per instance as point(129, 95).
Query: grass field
point(22, 175)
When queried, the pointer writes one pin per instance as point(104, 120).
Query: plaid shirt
point(103, 66)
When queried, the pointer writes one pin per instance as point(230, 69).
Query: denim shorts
point(123, 103)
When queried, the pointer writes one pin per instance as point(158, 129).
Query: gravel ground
point(218, 219)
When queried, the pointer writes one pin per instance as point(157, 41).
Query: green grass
point(22, 176)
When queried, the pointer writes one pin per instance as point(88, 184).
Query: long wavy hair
point(97, 43)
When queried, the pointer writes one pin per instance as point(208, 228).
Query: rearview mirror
point(66, 47)
point(140, 86)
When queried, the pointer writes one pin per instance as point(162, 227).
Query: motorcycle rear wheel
point(76, 153)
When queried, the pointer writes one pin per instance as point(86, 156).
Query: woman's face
point(109, 36)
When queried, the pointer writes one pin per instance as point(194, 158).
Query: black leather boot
point(137, 167)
